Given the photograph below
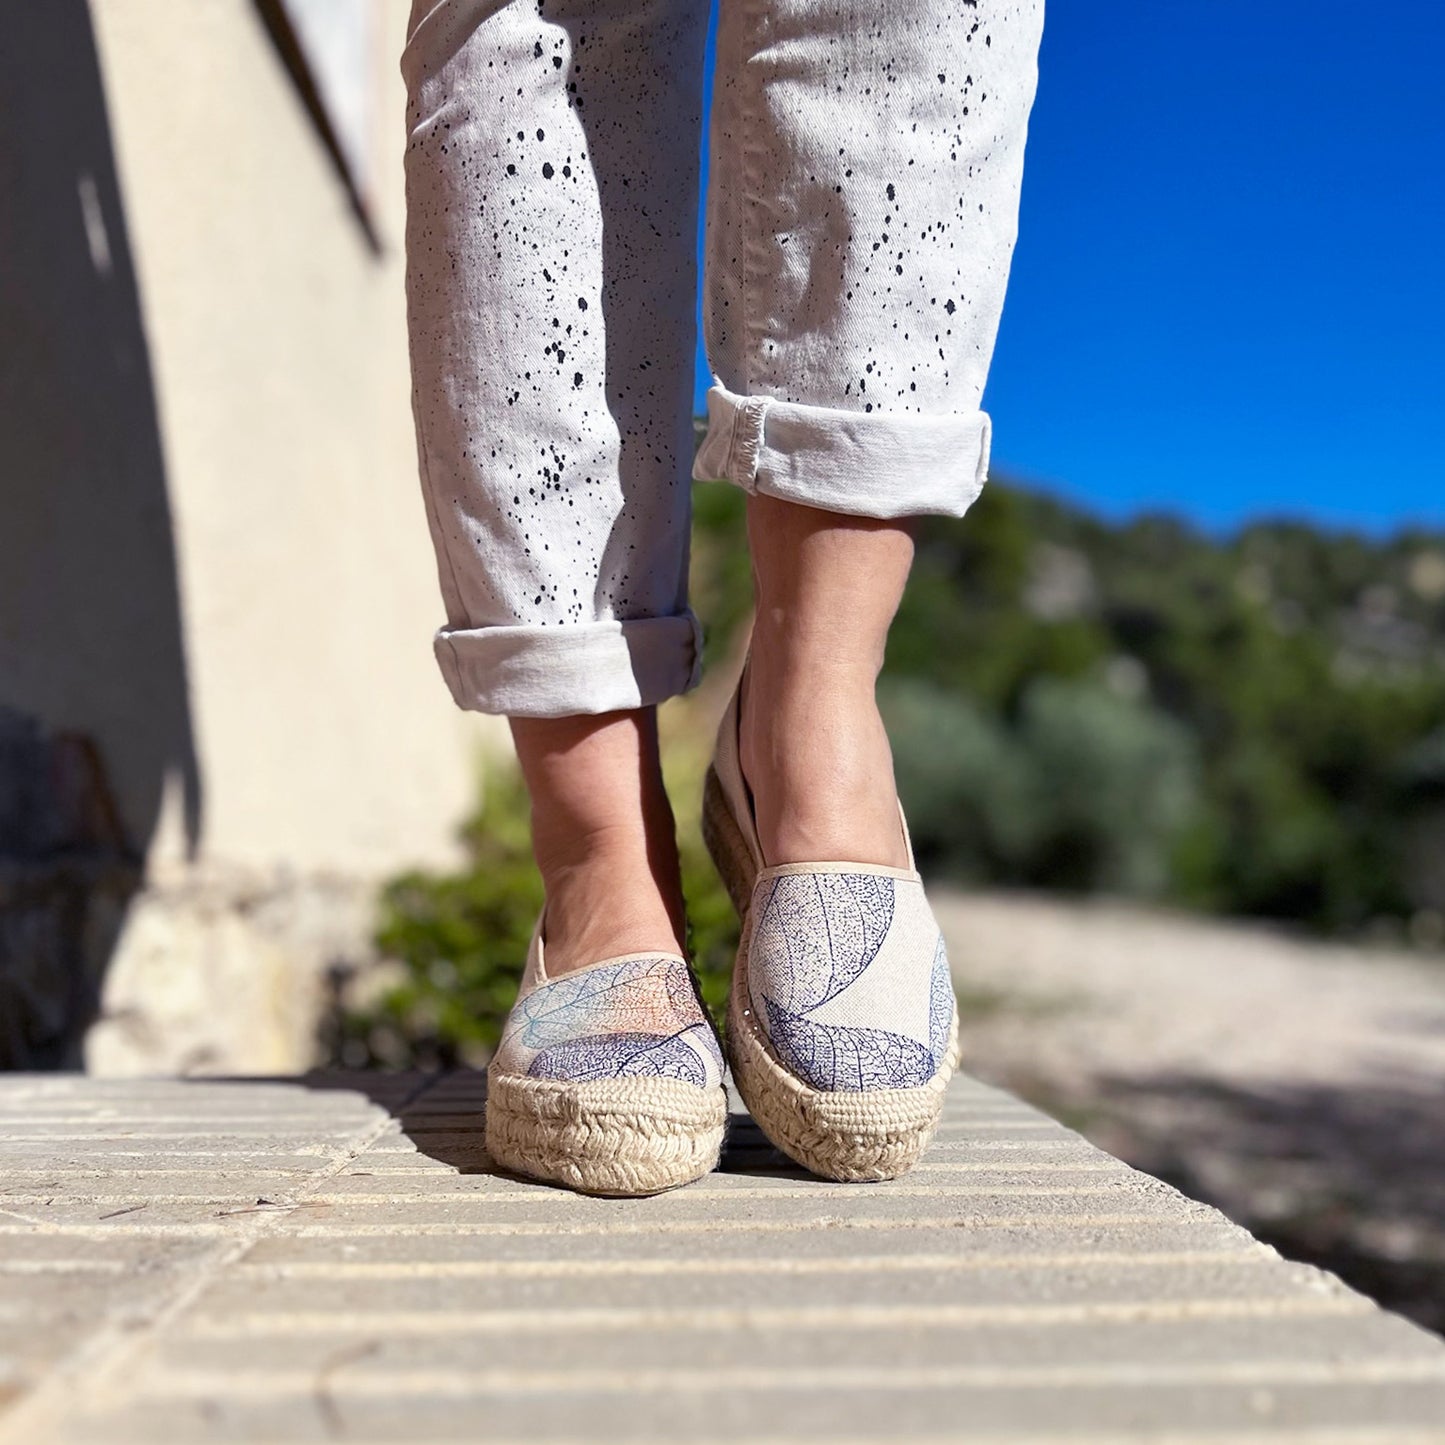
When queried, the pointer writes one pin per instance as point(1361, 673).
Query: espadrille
point(608, 1079)
point(842, 1026)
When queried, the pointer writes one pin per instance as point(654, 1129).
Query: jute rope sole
point(853, 1136)
point(605, 1136)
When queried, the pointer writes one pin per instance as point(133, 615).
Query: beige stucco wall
point(324, 736)
point(214, 559)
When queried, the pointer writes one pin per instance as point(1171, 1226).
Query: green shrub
point(1084, 790)
point(1305, 668)
point(963, 781)
point(457, 942)
point(1283, 755)
point(1113, 787)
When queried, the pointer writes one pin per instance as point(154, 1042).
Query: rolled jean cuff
point(594, 667)
point(871, 464)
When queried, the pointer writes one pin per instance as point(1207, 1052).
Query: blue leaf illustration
point(940, 1006)
point(838, 1058)
point(621, 1056)
point(817, 932)
point(569, 1007)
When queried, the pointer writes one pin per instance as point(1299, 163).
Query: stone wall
point(216, 582)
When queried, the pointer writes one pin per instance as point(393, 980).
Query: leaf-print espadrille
point(608, 1078)
point(842, 1027)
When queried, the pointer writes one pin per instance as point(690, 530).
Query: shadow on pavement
point(1350, 1177)
point(443, 1115)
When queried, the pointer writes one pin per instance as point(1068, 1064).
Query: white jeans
point(862, 205)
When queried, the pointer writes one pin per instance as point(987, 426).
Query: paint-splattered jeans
point(861, 209)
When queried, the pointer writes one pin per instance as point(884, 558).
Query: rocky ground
point(1297, 1085)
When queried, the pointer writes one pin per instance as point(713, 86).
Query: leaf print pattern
point(838, 1057)
point(819, 931)
point(817, 935)
point(940, 1006)
point(623, 997)
point(640, 1017)
point(623, 1056)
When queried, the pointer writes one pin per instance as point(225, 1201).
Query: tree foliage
point(1253, 724)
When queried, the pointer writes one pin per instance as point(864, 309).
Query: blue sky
point(1227, 298)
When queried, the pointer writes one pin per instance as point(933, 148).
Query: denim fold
point(539, 671)
point(861, 209)
point(868, 464)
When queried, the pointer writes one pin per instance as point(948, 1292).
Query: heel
point(725, 843)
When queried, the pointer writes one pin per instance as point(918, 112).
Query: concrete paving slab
point(334, 1258)
point(750, 1251)
point(1186, 1406)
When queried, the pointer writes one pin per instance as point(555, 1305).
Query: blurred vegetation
point(1252, 724)
point(456, 942)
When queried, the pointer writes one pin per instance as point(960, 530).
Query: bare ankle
point(819, 765)
point(603, 836)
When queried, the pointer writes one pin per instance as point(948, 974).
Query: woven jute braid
point(853, 1137)
point(869, 1134)
point(605, 1136)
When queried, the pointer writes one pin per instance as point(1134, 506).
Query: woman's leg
point(813, 745)
point(551, 218)
point(866, 160)
point(602, 834)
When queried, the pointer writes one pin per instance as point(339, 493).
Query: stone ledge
point(333, 1258)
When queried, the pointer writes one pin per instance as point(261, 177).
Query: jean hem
point(869, 464)
point(567, 670)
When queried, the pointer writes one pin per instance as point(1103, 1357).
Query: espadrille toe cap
point(631, 1018)
point(848, 976)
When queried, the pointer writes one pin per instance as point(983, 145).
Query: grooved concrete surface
point(332, 1259)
